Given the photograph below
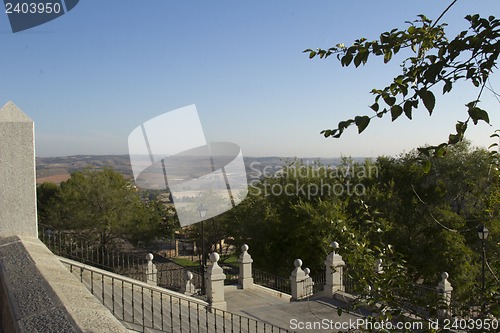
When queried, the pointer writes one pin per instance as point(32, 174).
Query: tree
point(45, 196)
point(433, 60)
point(103, 205)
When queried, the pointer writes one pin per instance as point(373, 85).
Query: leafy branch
point(471, 56)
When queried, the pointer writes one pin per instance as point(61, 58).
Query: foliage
point(434, 60)
point(420, 223)
point(103, 205)
point(297, 213)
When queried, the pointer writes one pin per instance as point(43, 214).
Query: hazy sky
point(90, 77)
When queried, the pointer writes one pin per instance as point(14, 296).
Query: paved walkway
point(316, 315)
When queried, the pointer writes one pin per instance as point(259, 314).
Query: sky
point(93, 75)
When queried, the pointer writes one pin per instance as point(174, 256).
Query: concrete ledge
point(344, 297)
point(273, 292)
point(38, 294)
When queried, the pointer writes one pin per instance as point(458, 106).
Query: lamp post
point(202, 212)
point(483, 233)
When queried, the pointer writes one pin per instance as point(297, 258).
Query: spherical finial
point(244, 248)
point(149, 256)
point(335, 245)
point(214, 257)
point(307, 271)
point(445, 275)
point(297, 263)
point(189, 275)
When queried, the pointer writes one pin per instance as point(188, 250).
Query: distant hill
point(58, 169)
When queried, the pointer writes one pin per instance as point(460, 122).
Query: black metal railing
point(319, 280)
point(232, 274)
point(348, 283)
point(170, 275)
point(141, 306)
point(72, 246)
point(271, 281)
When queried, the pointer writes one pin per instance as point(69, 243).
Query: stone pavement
point(316, 315)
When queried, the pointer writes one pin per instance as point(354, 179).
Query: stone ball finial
point(297, 263)
point(445, 275)
point(149, 256)
point(189, 275)
point(307, 271)
point(214, 257)
point(335, 245)
point(244, 248)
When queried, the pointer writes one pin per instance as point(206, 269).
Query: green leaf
point(389, 100)
point(424, 151)
point(426, 167)
point(396, 111)
point(312, 54)
point(387, 56)
point(357, 59)
point(408, 109)
point(346, 59)
point(428, 98)
point(478, 114)
point(362, 122)
point(374, 107)
point(447, 86)
point(440, 152)
point(453, 139)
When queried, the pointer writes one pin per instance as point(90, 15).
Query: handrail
point(141, 306)
point(271, 281)
point(63, 243)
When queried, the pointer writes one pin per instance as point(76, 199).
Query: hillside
point(58, 169)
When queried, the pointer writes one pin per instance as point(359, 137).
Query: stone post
point(378, 266)
point(215, 283)
point(444, 290)
point(334, 272)
point(245, 260)
point(297, 281)
point(308, 283)
point(188, 288)
point(151, 271)
point(18, 214)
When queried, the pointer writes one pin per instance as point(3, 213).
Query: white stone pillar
point(18, 215)
point(444, 290)
point(308, 283)
point(188, 287)
point(151, 271)
point(245, 260)
point(378, 266)
point(215, 283)
point(334, 272)
point(297, 281)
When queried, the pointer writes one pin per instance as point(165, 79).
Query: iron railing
point(271, 281)
point(141, 306)
point(319, 280)
point(72, 246)
point(232, 274)
point(170, 275)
